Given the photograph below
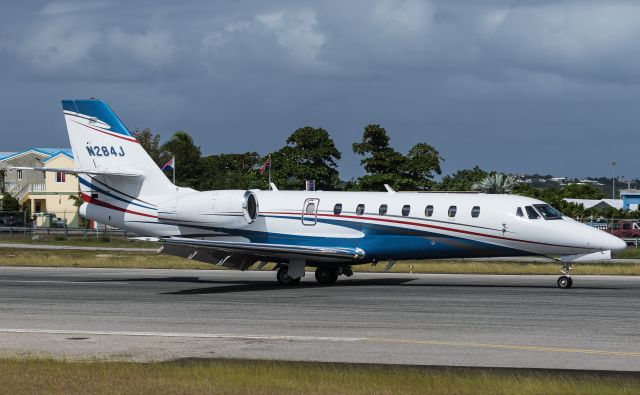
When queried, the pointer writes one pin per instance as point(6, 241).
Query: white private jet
point(331, 231)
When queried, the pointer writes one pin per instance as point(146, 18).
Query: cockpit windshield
point(548, 212)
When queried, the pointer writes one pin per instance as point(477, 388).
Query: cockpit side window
point(531, 213)
point(548, 212)
point(519, 212)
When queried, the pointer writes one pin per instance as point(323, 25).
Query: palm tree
point(3, 175)
point(496, 183)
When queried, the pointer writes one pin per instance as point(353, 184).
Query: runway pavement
point(463, 320)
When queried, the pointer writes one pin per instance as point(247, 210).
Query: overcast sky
point(516, 86)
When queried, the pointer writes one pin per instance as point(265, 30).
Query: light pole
point(613, 180)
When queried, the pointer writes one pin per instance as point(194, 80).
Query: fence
point(55, 224)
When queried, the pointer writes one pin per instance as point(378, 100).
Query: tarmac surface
point(453, 320)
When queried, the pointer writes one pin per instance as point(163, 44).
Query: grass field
point(152, 260)
point(29, 376)
point(90, 241)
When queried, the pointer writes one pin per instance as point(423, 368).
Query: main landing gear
point(284, 278)
point(565, 281)
point(326, 274)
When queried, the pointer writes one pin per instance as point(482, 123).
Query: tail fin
point(101, 142)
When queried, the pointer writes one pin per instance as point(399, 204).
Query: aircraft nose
point(605, 241)
point(617, 243)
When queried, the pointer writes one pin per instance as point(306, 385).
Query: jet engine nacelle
point(224, 209)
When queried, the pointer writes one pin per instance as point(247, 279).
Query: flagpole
point(269, 171)
point(174, 170)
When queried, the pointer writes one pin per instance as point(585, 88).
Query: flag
point(266, 166)
point(170, 165)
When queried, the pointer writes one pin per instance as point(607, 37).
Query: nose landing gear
point(565, 281)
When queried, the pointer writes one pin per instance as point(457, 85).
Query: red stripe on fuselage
point(100, 203)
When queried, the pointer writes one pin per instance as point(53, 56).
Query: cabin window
point(428, 211)
point(360, 209)
point(531, 213)
point(311, 208)
point(475, 211)
point(383, 209)
point(452, 211)
point(519, 212)
point(61, 177)
point(337, 209)
point(406, 209)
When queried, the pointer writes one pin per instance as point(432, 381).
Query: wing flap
point(232, 261)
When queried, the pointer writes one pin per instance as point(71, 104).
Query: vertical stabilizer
point(101, 141)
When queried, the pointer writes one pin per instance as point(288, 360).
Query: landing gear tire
point(564, 282)
point(284, 278)
point(326, 275)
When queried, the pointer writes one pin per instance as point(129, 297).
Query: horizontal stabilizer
point(93, 172)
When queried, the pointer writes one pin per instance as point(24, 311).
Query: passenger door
point(310, 211)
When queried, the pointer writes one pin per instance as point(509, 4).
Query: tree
point(462, 180)
point(496, 183)
point(3, 175)
point(310, 154)
point(188, 165)
point(423, 160)
point(151, 144)
point(232, 171)
point(9, 203)
point(77, 200)
point(582, 191)
point(384, 165)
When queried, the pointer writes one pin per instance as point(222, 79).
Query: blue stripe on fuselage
point(379, 241)
point(98, 189)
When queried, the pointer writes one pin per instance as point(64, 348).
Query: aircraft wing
point(241, 255)
point(93, 172)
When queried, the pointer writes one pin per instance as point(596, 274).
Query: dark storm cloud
point(547, 86)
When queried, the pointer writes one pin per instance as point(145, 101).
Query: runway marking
point(416, 342)
point(504, 347)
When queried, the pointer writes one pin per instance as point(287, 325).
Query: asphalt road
point(462, 320)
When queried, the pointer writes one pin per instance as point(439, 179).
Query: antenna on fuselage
point(273, 186)
point(389, 189)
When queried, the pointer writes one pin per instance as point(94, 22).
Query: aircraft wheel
point(334, 275)
point(325, 275)
point(564, 282)
point(284, 278)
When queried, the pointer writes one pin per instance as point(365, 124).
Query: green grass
point(629, 253)
point(91, 241)
point(504, 267)
point(29, 376)
point(152, 260)
point(99, 259)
